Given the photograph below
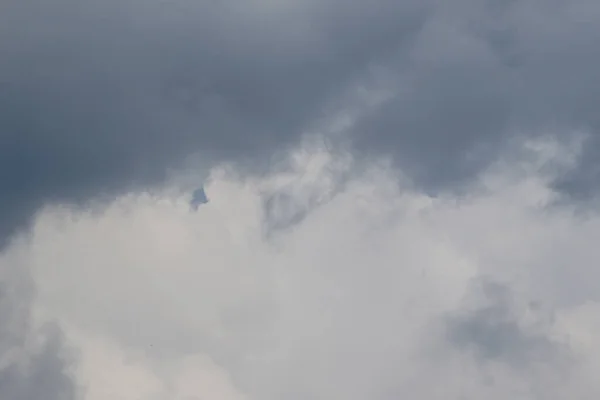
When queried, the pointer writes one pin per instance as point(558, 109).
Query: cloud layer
point(417, 257)
point(379, 291)
point(99, 96)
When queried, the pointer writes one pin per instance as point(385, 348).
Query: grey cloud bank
point(100, 98)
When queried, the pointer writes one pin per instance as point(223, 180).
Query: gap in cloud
point(198, 198)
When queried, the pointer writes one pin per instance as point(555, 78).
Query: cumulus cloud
point(380, 290)
point(101, 101)
point(34, 363)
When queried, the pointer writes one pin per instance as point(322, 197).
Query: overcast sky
point(304, 199)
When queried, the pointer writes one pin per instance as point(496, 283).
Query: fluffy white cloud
point(328, 280)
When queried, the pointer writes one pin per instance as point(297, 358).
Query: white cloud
point(370, 294)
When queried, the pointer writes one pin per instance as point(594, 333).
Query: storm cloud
point(99, 96)
point(101, 100)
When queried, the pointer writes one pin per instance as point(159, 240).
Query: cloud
point(105, 100)
point(379, 291)
point(99, 96)
point(481, 72)
point(34, 361)
point(492, 330)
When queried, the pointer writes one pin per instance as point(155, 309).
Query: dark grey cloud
point(482, 72)
point(97, 97)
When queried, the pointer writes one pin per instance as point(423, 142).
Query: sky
point(300, 199)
